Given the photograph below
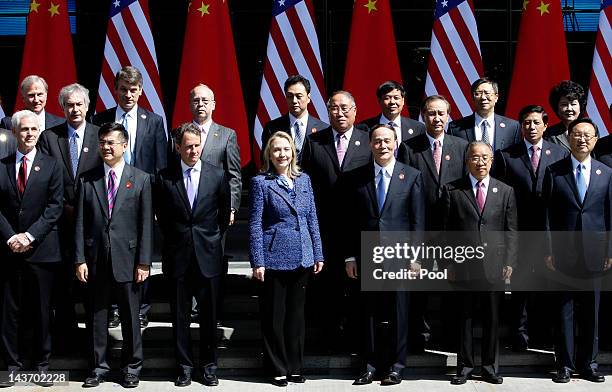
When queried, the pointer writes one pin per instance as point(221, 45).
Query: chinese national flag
point(48, 50)
point(541, 56)
point(372, 55)
point(209, 57)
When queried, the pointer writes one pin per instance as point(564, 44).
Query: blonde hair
point(268, 167)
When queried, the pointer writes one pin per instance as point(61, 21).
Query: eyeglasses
point(587, 138)
point(109, 143)
point(479, 94)
point(476, 158)
point(337, 109)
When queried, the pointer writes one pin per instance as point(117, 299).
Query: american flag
point(600, 91)
point(129, 41)
point(455, 61)
point(293, 48)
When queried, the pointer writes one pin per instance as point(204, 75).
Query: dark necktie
point(485, 133)
point(380, 191)
point(535, 158)
point(22, 178)
point(437, 155)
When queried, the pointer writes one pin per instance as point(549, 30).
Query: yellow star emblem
point(543, 8)
point(525, 2)
point(204, 9)
point(371, 6)
point(53, 9)
point(34, 6)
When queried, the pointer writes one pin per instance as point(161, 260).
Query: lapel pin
point(37, 168)
point(494, 190)
point(128, 184)
point(411, 131)
point(547, 152)
point(502, 125)
point(216, 134)
point(2, 138)
point(447, 157)
point(313, 130)
point(143, 116)
point(598, 171)
point(401, 176)
point(85, 149)
point(357, 143)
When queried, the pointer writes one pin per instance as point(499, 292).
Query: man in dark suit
point(391, 95)
point(192, 203)
point(484, 208)
point(74, 143)
point(577, 191)
point(147, 150)
point(30, 206)
point(568, 100)
point(327, 155)
point(385, 195)
point(297, 122)
point(8, 144)
point(33, 91)
point(498, 131)
point(113, 248)
point(522, 166)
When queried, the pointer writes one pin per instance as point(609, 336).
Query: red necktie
point(437, 155)
point(22, 177)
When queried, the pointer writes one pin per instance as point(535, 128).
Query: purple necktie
point(341, 148)
point(111, 194)
point(535, 158)
point(437, 155)
point(190, 188)
point(480, 196)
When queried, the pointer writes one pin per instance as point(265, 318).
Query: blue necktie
point(380, 190)
point(74, 152)
point(581, 182)
point(191, 191)
point(127, 155)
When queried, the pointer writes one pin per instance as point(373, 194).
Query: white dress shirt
point(432, 140)
point(387, 171)
point(485, 181)
point(204, 130)
point(132, 122)
point(586, 172)
point(490, 127)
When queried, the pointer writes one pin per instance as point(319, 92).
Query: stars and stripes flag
point(454, 61)
point(600, 90)
point(293, 48)
point(129, 41)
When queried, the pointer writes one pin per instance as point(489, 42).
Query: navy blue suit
point(507, 131)
point(284, 239)
point(410, 127)
point(580, 254)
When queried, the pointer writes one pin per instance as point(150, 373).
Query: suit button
point(20, 212)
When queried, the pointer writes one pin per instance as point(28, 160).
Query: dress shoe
point(279, 382)
point(183, 380)
point(364, 379)
point(144, 320)
point(459, 379)
point(393, 378)
point(298, 379)
point(130, 381)
point(492, 378)
point(210, 380)
point(93, 381)
point(562, 376)
point(593, 376)
point(113, 320)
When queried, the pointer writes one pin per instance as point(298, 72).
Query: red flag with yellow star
point(209, 57)
point(541, 56)
point(372, 55)
point(48, 50)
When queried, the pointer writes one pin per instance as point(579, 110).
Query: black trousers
point(282, 312)
point(206, 292)
point(27, 286)
point(103, 289)
point(489, 304)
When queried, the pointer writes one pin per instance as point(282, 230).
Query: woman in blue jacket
point(285, 249)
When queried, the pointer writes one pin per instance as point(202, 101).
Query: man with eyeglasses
point(74, 143)
point(577, 191)
point(485, 209)
point(326, 156)
point(484, 125)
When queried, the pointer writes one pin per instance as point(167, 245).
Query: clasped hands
point(19, 243)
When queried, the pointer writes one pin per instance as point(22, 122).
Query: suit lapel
point(89, 149)
point(62, 142)
point(309, 126)
point(593, 180)
point(449, 151)
point(355, 143)
point(274, 187)
point(470, 132)
point(329, 146)
point(427, 155)
point(100, 187)
point(527, 162)
point(544, 159)
point(370, 186)
point(141, 129)
point(469, 193)
point(397, 177)
point(180, 187)
point(492, 196)
point(571, 179)
point(11, 169)
point(35, 170)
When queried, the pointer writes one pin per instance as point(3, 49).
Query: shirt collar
point(431, 139)
point(386, 121)
point(197, 167)
point(586, 163)
point(347, 134)
point(528, 145)
point(388, 169)
point(303, 120)
point(79, 131)
point(117, 169)
point(204, 127)
point(29, 156)
point(485, 181)
point(478, 120)
point(132, 113)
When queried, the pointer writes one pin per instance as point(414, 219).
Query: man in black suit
point(113, 247)
point(391, 95)
point(297, 122)
point(147, 150)
point(485, 209)
point(8, 144)
point(577, 191)
point(192, 203)
point(74, 143)
point(30, 206)
point(568, 100)
point(385, 195)
point(522, 166)
point(326, 156)
point(33, 91)
point(498, 131)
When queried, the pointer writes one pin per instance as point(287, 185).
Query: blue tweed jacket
point(283, 233)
